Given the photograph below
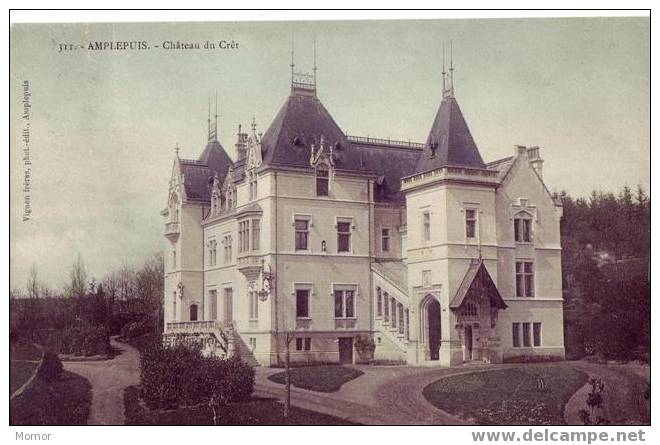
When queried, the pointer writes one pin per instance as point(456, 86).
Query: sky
point(104, 123)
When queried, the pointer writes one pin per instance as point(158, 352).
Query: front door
point(435, 333)
point(346, 350)
point(468, 342)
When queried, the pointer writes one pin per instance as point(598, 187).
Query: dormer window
point(522, 227)
point(322, 181)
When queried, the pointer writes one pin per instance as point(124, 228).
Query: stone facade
point(315, 239)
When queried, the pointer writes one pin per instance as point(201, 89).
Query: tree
point(78, 278)
point(33, 283)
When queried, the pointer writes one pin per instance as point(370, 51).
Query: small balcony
point(250, 264)
point(172, 230)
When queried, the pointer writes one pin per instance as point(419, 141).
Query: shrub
point(145, 325)
point(85, 340)
point(181, 376)
point(50, 368)
point(365, 347)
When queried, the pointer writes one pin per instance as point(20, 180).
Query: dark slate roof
point(477, 280)
point(198, 179)
point(391, 164)
point(301, 122)
point(216, 158)
point(199, 173)
point(449, 142)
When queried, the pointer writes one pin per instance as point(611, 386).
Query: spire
point(208, 118)
point(315, 68)
point(451, 68)
point(176, 150)
point(444, 72)
point(293, 63)
point(213, 129)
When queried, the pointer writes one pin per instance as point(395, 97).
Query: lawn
point(254, 412)
point(63, 402)
point(532, 394)
point(326, 378)
point(24, 359)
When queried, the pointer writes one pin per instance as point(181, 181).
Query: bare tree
point(78, 278)
point(33, 282)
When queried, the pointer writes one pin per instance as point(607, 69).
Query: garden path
point(109, 378)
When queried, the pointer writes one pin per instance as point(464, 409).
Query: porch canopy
point(477, 281)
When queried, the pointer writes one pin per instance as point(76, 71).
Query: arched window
point(193, 312)
point(522, 227)
point(469, 310)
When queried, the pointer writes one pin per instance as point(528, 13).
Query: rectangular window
point(426, 218)
point(174, 259)
point(213, 246)
point(385, 240)
point(393, 306)
point(407, 325)
point(515, 329)
point(344, 303)
point(226, 241)
point(299, 344)
point(302, 303)
point(343, 236)
point(379, 302)
point(526, 335)
point(256, 233)
point(308, 343)
point(401, 318)
point(386, 307)
point(470, 223)
point(253, 343)
point(302, 233)
point(254, 305)
point(213, 305)
point(244, 236)
point(522, 228)
point(537, 334)
point(524, 278)
point(321, 182)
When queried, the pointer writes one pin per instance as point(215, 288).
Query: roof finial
point(208, 118)
point(451, 68)
point(444, 72)
point(176, 149)
point(315, 68)
point(215, 117)
point(293, 63)
point(254, 125)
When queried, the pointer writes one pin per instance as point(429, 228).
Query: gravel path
point(109, 378)
point(384, 395)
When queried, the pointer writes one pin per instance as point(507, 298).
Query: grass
point(24, 351)
point(512, 396)
point(24, 360)
point(19, 373)
point(328, 378)
point(254, 412)
point(64, 402)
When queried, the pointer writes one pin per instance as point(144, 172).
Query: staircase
point(214, 338)
point(393, 316)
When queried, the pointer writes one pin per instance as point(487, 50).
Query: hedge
point(85, 340)
point(50, 368)
point(180, 376)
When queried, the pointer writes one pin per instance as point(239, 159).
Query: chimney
point(241, 144)
point(534, 156)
